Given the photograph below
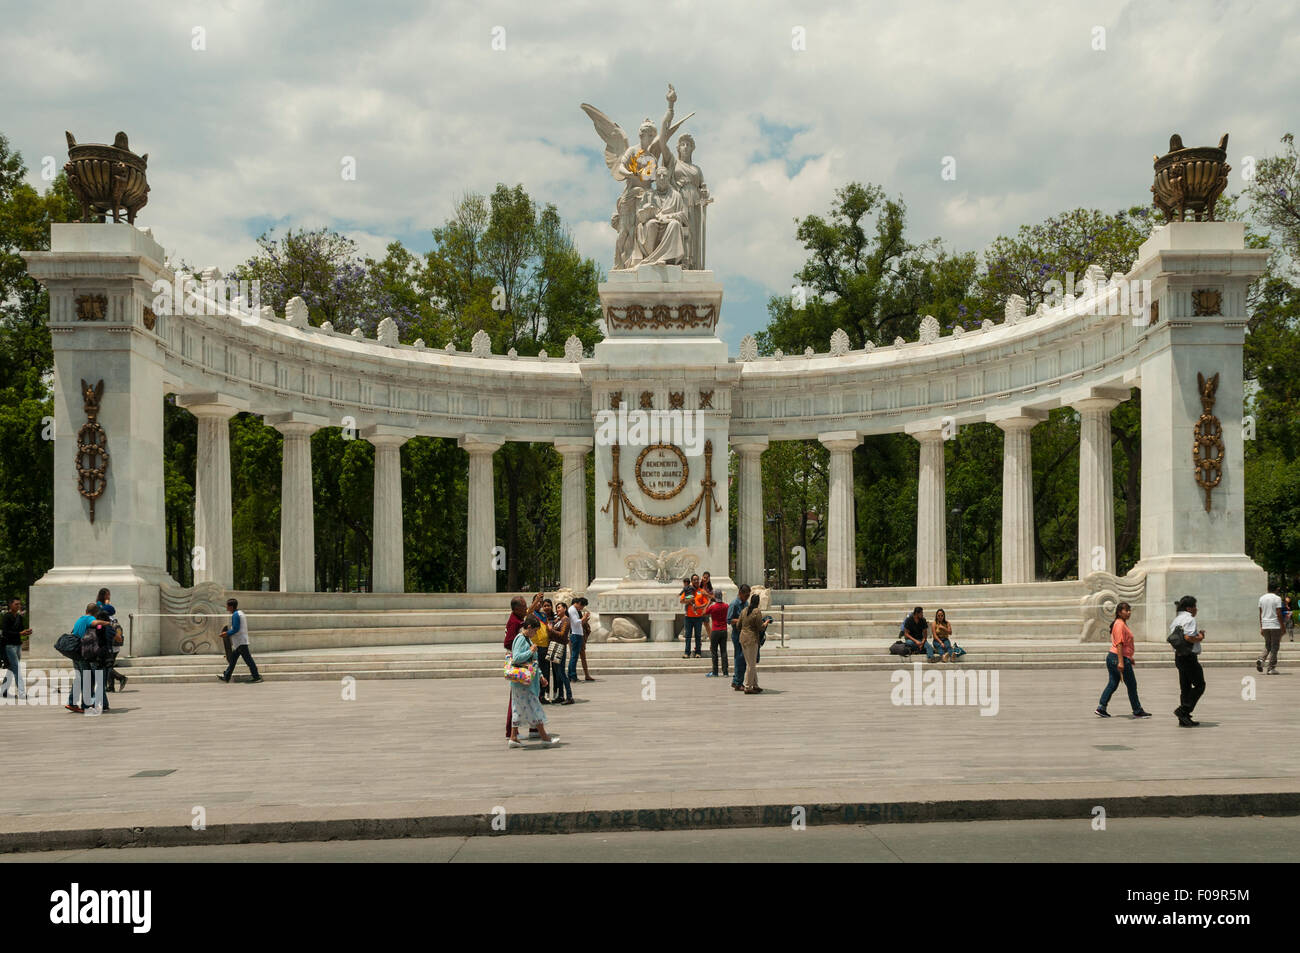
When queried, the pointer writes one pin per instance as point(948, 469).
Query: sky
point(251, 112)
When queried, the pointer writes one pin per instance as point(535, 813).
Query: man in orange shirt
point(696, 603)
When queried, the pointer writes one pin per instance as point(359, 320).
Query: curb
point(662, 819)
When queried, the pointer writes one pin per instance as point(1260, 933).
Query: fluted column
point(573, 513)
point(841, 534)
point(931, 512)
point(749, 511)
point(1017, 499)
point(297, 522)
point(481, 536)
point(389, 567)
point(1096, 487)
point(213, 539)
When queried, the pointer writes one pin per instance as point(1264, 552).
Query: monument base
point(1226, 587)
point(60, 597)
point(656, 602)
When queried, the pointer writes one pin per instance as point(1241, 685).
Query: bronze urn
point(107, 179)
point(1190, 180)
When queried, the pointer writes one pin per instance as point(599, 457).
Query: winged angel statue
point(663, 224)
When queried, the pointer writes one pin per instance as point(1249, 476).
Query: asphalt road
point(1160, 840)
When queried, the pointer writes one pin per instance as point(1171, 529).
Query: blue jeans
point(14, 674)
point(575, 649)
point(945, 647)
point(695, 626)
point(1130, 682)
point(74, 696)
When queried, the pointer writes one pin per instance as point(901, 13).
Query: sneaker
point(697, 655)
point(686, 655)
point(223, 679)
point(122, 679)
point(74, 708)
point(710, 674)
point(1101, 713)
point(93, 710)
point(255, 679)
point(551, 740)
point(1141, 714)
point(739, 688)
point(514, 744)
point(1259, 665)
point(569, 702)
point(1271, 671)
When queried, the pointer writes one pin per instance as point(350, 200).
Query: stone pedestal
point(99, 278)
point(1199, 273)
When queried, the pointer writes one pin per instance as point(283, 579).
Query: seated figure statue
point(661, 230)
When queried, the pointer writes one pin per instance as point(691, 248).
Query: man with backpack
point(96, 656)
point(1186, 640)
point(70, 647)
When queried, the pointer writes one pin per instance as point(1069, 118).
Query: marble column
point(389, 567)
point(573, 513)
point(1096, 489)
point(841, 535)
point(931, 512)
point(749, 511)
point(481, 535)
point(212, 507)
point(297, 522)
point(1017, 499)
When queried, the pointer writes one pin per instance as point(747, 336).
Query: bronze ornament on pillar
point(1207, 444)
point(705, 504)
point(1206, 302)
point(92, 445)
point(107, 179)
point(1190, 180)
point(92, 307)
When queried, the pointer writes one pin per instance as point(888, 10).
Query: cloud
point(254, 128)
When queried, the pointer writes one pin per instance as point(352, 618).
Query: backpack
point(69, 646)
point(1178, 641)
point(898, 648)
point(90, 645)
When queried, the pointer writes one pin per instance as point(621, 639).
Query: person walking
point(1119, 664)
point(1271, 626)
point(524, 706)
point(103, 632)
point(1191, 678)
point(518, 610)
point(13, 635)
point(81, 690)
point(111, 674)
point(733, 619)
point(752, 625)
point(238, 632)
point(718, 633)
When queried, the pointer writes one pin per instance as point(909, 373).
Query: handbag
point(523, 674)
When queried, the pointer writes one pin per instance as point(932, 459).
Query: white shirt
point(1269, 603)
point(1187, 622)
point(575, 621)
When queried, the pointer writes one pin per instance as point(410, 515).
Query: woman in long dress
point(524, 707)
point(689, 180)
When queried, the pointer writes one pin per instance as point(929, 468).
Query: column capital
point(1018, 418)
point(212, 405)
point(565, 445)
point(926, 435)
point(840, 439)
point(1106, 404)
point(382, 435)
point(294, 424)
point(479, 443)
point(749, 445)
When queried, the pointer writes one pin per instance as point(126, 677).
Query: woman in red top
point(1119, 663)
point(718, 634)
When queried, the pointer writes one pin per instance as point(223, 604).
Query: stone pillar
point(481, 537)
point(573, 513)
point(389, 567)
point(841, 535)
point(749, 511)
point(1096, 490)
point(212, 508)
point(1018, 498)
point(297, 520)
point(931, 512)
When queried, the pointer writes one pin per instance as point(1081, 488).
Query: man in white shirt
point(1191, 677)
point(1270, 627)
point(238, 633)
point(576, 636)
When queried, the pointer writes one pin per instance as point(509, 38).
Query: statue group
point(660, 216)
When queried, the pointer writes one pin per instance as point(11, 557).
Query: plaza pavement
point(295, 761)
